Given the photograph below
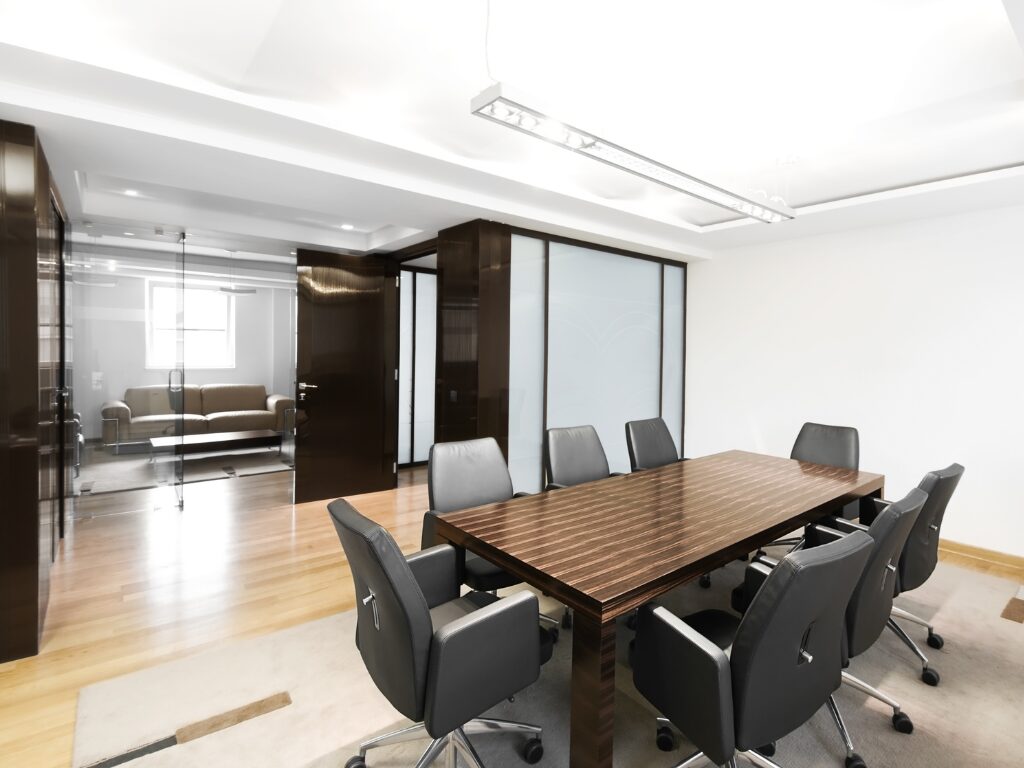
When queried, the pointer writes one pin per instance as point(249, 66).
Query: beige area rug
point(130, 472)
point(972, 718)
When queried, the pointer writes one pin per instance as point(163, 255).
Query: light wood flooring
point(137, 583)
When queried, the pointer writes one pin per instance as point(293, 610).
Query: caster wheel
point(553, 631)
point(631, 621)
point(935, 641)
point(855, 761)
point(768, 750)
point(930, 676)
point(705, 581)
point(356, 762)
point(533, 751)
point(567, 620)
point(902, 723)
point(666, 740)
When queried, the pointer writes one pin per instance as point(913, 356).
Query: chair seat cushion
point(164, 425)
point(485, 576)
point(717, 626)
point(445, 613)
point(238, 421)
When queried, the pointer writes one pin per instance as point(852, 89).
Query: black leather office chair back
point(467, 474)
point(574, 455)
point(825, 444)
point(921, 553)
point(786, 657)
point(871, 603)
point(394, 630)
point(650, 444)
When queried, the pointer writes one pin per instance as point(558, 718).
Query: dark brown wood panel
point(592, 715)
point(346, 436)
point(606, 547)
point(30, 441)
point(473, 281)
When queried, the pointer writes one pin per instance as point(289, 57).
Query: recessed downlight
point(132, 192)
point(129, 234)
point(347, 227)
point(293, 253)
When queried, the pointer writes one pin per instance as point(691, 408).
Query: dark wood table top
point(608, 546)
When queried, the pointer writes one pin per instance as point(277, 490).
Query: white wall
point(913, 333)
point(109, 347)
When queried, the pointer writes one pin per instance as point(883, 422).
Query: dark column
point(29, 434)
point(473, 273)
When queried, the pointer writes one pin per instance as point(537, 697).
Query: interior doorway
point(182, 365)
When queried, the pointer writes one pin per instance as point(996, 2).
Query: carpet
point(970, 719)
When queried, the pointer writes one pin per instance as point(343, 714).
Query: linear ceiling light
point(498, 105)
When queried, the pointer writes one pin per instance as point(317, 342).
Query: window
point(209, 327)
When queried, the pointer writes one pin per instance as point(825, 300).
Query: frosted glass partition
point(603, 343)
point(672, 353)
point(426, 351)
point(526, 363)
point(405, 366)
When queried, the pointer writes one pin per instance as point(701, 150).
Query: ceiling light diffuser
point(497, 104)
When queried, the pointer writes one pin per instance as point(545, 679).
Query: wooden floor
point(137, 583)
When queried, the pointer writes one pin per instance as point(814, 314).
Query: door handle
point(303, 386)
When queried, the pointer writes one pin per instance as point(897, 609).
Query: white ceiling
point(280, 121)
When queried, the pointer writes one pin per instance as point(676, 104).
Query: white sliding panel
point(426, 353)
point(603, 343)
point(526, 363)
point(405, 366)
point(673, 339)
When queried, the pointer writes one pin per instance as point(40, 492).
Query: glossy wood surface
point(473, 283)
point(346, 429)
point(30, 444)
point(606, 547)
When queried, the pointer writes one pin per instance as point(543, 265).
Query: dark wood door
point(347, 389)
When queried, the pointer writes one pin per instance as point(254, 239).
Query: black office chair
point(422, 643)
point(920, 556)
point(736, 686)
point(824, 444)
point(868, 608)
point(574, 455)
point(650, 444)
point(465, 474)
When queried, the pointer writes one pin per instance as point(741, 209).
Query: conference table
point(607, 547)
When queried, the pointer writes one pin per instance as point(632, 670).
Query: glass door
point(176, 378)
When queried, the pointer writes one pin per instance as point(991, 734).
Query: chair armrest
point(554, 486)
point(870, 509)
point(116, 416)
point(818, 534)
point(116, 409)
point(279, 404)
point(843, 525)
point(687, 678)
point(436, 570)
point(480, 660)
point(754, 576)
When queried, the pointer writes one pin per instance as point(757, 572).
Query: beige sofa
point(147, 412)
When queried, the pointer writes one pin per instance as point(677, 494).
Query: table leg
point(593, 692)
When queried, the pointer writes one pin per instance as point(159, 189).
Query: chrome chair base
point(900, 720)
point(754, 757)
point(453, 745)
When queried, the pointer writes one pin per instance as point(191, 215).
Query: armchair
point(421, 643)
